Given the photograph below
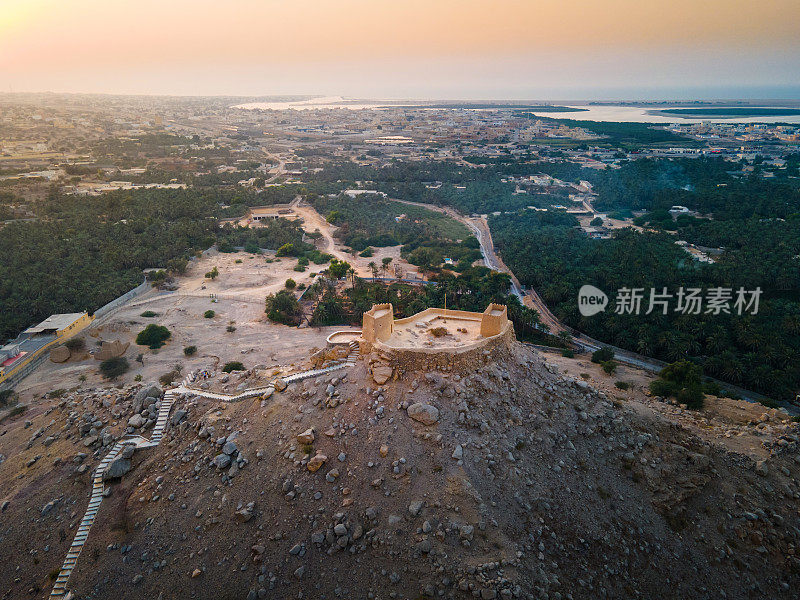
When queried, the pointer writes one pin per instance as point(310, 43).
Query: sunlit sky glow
point(481, 49)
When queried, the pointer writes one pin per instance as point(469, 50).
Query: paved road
point(531, 299)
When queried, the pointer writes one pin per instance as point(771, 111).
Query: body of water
point(642, 114)
point(605, 112)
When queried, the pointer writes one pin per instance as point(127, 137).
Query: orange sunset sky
point(404, 48)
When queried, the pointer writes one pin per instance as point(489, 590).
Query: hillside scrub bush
point(602, 355)
point(170, 376)
point(75, 344)
point(233, 366)
point(209, 314)
point(153, 336)
point(7, 397)
point(114, 367)
point(190, 350)
point(149, 313)
point(681, 380)
point(609, 366)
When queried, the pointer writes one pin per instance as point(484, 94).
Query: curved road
point(532, 300)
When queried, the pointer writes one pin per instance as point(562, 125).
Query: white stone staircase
point(252, 393)
point(60, 587)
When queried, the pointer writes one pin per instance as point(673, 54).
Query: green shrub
point(17, 410)
point(290, 284)
point(284, 308)
point(602, 355)
point(317, 257)
point(170, 376)
point(367, 253)
point(299, 268)
point(148, 314)
point(230, 329)
point(622, 385)
point(233, 366)
point(75, 344)
point(212, 274)
point(609, 366)
point(153, 336)
point(568, 353)
point(251, 247)
point(338, 268)
point(7, 397)
point(114, 367)
point(287, 249)
point(692, 397)
point(681, 380)
point(209, 314)
point(190, 350)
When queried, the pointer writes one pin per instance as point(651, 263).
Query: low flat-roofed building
point(59, 325)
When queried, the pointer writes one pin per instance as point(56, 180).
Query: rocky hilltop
point(500, 478)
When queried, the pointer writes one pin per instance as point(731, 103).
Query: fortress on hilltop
point(434, 331)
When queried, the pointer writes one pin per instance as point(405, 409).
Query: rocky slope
point(496, 479)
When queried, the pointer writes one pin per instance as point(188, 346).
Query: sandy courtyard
point(240, 291)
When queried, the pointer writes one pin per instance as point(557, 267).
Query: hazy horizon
point(468, 49)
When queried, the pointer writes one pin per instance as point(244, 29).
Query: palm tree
point(374, 268)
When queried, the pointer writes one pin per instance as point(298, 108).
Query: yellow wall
point(61, 336)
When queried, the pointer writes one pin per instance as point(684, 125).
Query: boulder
point(280, 384)
point(149, 389)
point(426, 414)
point(136, 421)
point(177, 416)
point(222, 461)
point(316, 462)
point(60, 354)
point(117, 468)
point(306, 437)
point(109, 350)
point(229, 448)
point(381, 374)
